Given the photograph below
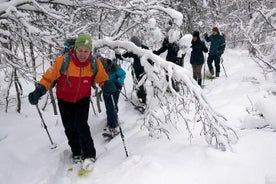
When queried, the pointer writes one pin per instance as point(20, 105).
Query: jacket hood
point(136, 41)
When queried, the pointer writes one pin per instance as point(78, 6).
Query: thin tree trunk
point(8, 92)
point(53, 101)
point(33, 60)
point(18, 89)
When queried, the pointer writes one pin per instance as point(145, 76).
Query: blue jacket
point(217, 44)
point(115, 73)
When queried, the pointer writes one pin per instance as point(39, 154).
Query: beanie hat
point(216, 29)
point(136, 41)
point(196, 34)
point(83, 40)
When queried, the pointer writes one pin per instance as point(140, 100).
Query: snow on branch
point(166, 106)
point(176, 16)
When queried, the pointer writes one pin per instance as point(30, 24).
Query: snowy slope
point(26, 158)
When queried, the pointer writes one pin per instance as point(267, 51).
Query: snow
point(176, 16)
point(264, 106)
point(25, 156)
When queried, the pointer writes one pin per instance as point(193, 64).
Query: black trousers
point(210, 60)
point(74, 118)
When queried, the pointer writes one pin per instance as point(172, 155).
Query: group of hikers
point(76, 71)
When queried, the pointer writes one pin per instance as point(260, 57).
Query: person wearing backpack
point(197, 58)
point(137, 68)
point(73, 90)
point(117, 75)
point(217, 48)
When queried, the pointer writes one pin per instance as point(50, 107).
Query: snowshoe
point(77, 159)
point(110, 133)
point(87, 166)
point(209, 76)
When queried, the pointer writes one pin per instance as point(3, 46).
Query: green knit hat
point(83, 40)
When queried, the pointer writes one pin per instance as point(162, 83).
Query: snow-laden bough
point(165, 105)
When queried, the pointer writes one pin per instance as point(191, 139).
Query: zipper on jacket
point(79, 83)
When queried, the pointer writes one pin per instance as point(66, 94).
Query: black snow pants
point(210, 60)
point(74, 118)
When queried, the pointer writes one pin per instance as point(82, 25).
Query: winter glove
point(109, 87)
point(34, 96)
point(118, 55)
point(205, 34)
point(155, 52)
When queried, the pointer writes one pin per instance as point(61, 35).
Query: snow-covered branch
point(175, 105)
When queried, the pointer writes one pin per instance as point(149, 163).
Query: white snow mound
point(266, 107)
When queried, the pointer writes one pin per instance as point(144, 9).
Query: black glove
point(34, 96)
point(155, 52)
point(109, 87)
point(205, 34)
point(118, 55)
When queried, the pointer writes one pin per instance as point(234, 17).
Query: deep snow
point(25, 156)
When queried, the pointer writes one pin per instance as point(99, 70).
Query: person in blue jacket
point(217, 48)
point(117, 75)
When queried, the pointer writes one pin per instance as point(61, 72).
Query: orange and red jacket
point(76, 83)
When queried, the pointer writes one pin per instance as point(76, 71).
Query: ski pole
point(121, 132)
point(53, 145)
point(223, 67)
point(92, 104)
point(204, 71)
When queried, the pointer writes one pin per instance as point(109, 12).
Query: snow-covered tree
point(32, 32)
point(188, 106)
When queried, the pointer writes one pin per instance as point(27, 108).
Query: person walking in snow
point(73, 93)
point(117, 75)
point(217, 48)
point(197, 58)
point(172, 54)
point(137, 67)
point(172, 49)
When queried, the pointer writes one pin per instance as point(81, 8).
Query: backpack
point(220, 38)
point(68, 44)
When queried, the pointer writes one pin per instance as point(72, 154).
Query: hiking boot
point(212, 72)
point(110, 132)
point(217, 74)
point(88, 163)
point(199, 82)
point(77, 159)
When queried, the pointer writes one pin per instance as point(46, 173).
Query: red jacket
point(77, 83)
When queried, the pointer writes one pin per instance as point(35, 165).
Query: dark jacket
point(172, 48)
point(138, 68)
point(217, 44)
point(198, 47)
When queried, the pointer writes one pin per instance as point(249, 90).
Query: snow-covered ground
point(25, 156)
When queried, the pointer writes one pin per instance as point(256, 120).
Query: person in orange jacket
point(73, 93)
